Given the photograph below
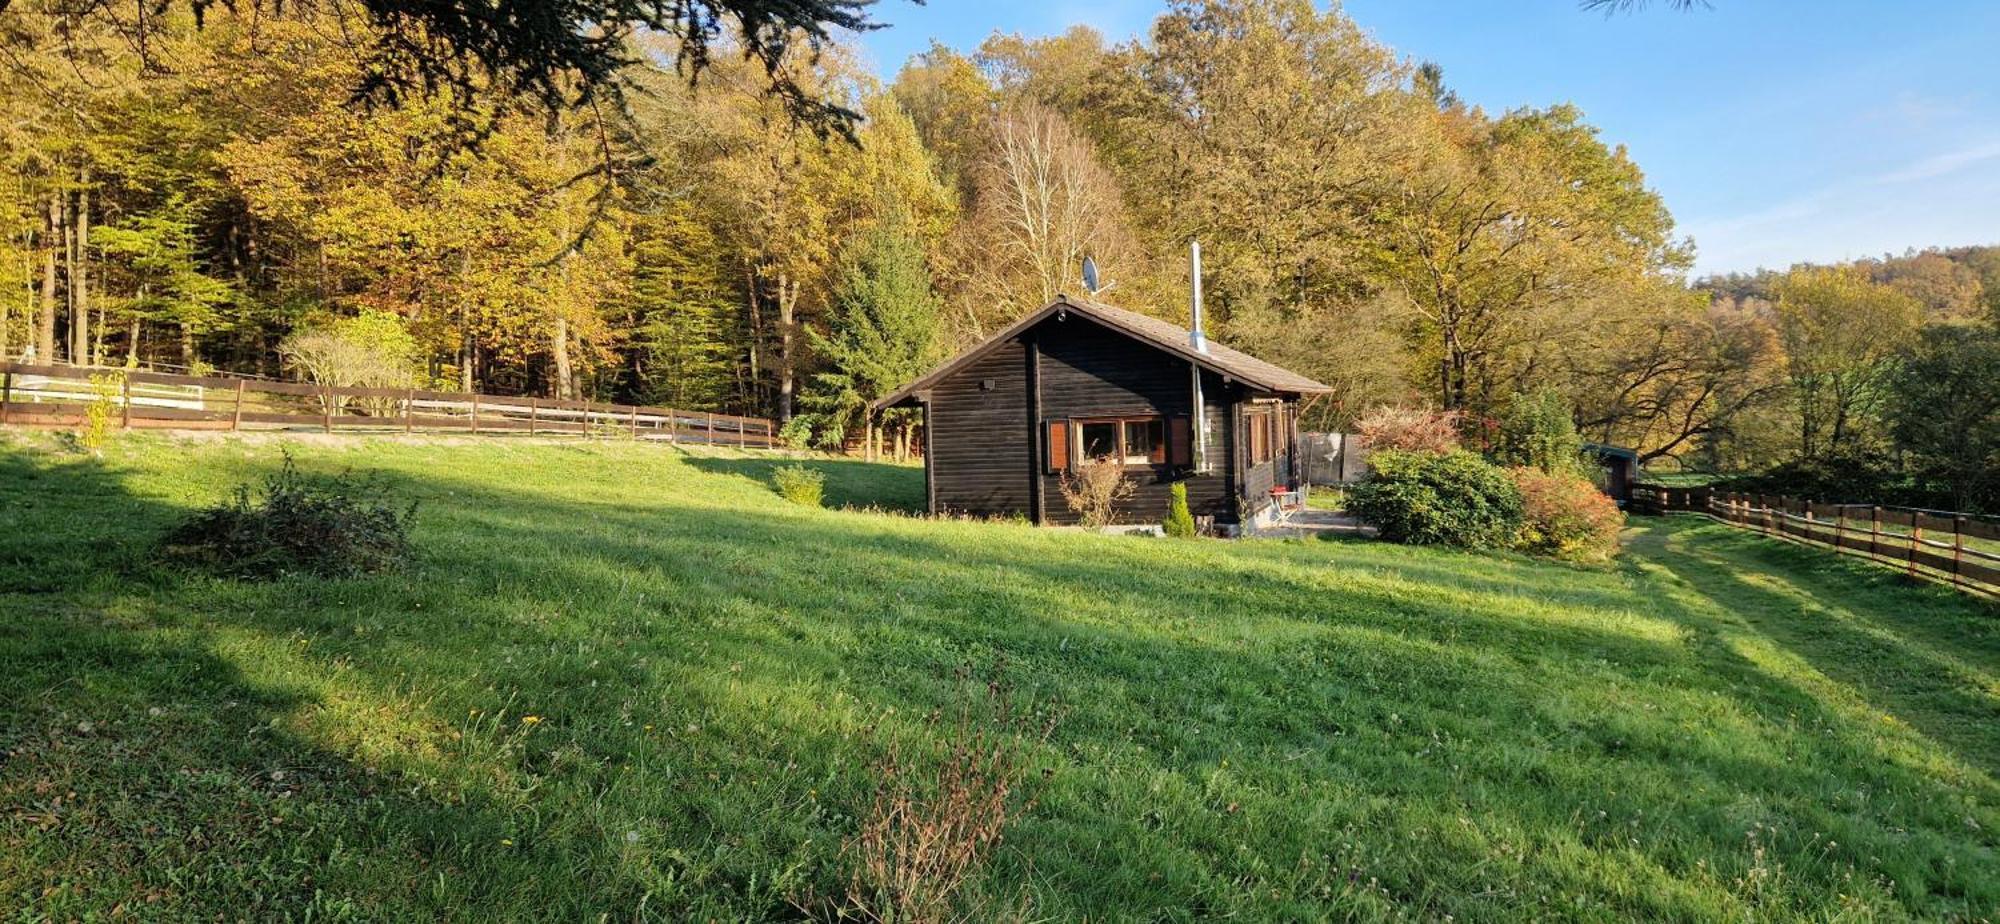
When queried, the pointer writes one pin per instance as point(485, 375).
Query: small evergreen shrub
point(338, 526)
point(800, 485)
point(1566, 516)
point(1180, 520)
point(1454, 498)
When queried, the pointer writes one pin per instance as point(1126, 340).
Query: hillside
point(623, 681)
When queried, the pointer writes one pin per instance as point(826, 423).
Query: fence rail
point(61, 396)
point(1948, 547)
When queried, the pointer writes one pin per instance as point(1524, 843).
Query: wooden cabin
point(1079, 380)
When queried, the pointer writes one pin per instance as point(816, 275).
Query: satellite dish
point(1090, 275)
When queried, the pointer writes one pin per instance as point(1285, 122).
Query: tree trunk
point(788, 296)
point(45, 331)
point(868, 437)
point(756, 335)
point(465, 363)
point(187, 347)
point(565, 383)
point(132, 339)
point(79, 281)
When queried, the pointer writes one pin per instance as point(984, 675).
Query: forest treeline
point(222, 199)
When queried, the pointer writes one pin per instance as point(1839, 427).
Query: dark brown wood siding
point(1092, 371)
point(982, 443)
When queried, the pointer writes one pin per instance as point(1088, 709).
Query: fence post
point(742, 433)
point(475, 412)
point(236, 413)
point(1916, 537)
point(326, 408)
point(534, 412)
point(711, 426)
point(635, 423)
point(586, 418)
point(409, 408)
point(1839, 526)
point(6, 393)
point(1875, 531)
point(125, 400)
point(1957, 548)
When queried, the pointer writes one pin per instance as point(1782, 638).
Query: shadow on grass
point(849, 482)
point(1927, 655)
point(1249, 726)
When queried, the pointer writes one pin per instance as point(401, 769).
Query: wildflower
point(531, 720)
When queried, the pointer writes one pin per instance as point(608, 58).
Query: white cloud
point(1946, 163)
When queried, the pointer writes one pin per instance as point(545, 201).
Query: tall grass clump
point(1454, 498)
point(328, 526)
point(934, 819)
point(800, 485)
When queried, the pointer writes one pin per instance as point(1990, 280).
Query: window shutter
point(1058, 446)
point(1180, 451)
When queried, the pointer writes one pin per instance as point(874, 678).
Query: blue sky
point(1777, 130)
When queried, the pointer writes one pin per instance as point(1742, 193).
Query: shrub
point(800, 485)
point(1093, 490)
point(926, 837)
point(1180, 520)
point(106, 391)
point(1454, 498)
point(1537, 430)
point(1404, 429)
point(1565, 515)
point(337, 526)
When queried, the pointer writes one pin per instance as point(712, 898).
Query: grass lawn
point(1718, 727)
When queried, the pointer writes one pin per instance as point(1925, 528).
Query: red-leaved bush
point(1408, 429)
point(1566, 516)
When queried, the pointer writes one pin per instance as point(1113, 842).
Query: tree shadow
point(1930, 657)
point(849, 482)
point(702, 680)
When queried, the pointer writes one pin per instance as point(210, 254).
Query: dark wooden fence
point(62, 396)
point(1951, 548)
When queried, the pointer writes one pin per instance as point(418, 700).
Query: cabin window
point(1099, 439)
point(1257, 426)
point(1127, 440)
point(1145, 441)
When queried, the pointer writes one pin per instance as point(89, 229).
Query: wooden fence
point(61, 396)
point(1951, 548)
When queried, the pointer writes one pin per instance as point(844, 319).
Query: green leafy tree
point(1538, 431)
point(1944, 407)
point(881, 332)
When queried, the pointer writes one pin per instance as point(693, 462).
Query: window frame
point(1259, 428)
point(1122, 454)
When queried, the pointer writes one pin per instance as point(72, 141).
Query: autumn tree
point(1841, 334)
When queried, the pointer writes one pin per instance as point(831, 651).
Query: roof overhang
point(1064, 305)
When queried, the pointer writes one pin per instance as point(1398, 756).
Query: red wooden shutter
point(1058, 445)
point(1180, 451)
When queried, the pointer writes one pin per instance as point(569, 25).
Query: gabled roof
point(1163, 335)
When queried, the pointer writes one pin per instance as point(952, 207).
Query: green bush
point(337, 526)
point(1537, 431)
point(800, 485)
point(1454, 498)
point(1180, 521)
point(1565, 515)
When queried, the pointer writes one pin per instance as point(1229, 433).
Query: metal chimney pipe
point(1196, 338)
